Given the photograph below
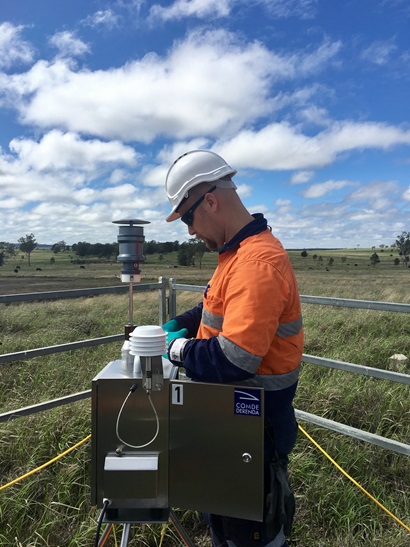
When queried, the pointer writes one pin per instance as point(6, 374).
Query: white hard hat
point(191, 169)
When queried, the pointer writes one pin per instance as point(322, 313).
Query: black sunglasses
point(188, 217)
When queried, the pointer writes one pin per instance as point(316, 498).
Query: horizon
point(47, 246)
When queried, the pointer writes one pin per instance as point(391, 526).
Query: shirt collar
point(256, 226)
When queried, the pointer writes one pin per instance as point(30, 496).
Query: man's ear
point(211, 202)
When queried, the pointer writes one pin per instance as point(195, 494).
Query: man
point(248, 328)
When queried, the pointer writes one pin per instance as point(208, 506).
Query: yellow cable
point(45, 464)
point(353, 480)
point(164, 528)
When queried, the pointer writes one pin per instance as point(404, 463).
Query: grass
point(52, 507)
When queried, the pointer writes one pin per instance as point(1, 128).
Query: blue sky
point(307, 99)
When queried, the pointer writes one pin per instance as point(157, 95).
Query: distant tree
point(343, 259)
point(1, 258)
point(330, 262)
point(167, 247)
point(8, 249)
point(58, 247)
point(82, 248)
point(151, 247)
point(199, 252)
point(184, 255)
point(52, 260)
point(374, 259)
point(191, 253)
point(304, 253)
point(396, 261)
point(403, 246)
point(27, 245)
point(100, 250)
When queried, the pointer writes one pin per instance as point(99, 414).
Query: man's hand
point(173, 335)
point(171, 326)
point(176, 334)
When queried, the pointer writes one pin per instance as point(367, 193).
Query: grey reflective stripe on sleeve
point(211, 320)
point(289, 329)
point(238, 356)
point(273, 382)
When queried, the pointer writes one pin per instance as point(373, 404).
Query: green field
point(52, 507)
point(351, 272)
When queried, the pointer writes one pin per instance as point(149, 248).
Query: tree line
point(189, 253)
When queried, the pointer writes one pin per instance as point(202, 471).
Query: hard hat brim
point(172, 216)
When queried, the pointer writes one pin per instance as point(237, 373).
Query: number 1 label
point(177, 394)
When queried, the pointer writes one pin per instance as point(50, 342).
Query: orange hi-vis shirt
point(252, 306)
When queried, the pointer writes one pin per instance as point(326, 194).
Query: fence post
point(172, 298)
point(162, 300)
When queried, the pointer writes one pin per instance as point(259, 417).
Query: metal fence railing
point(170, 300)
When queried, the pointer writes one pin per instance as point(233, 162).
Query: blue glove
point(171, 326)
point(178, 334)
point(172, 336)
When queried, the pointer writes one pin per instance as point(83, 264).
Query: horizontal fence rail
point(371, 438)
point(60, 348)
point(389, 444)
point(349, 303)
point(80, 293)
point(34, 409)
point(358, 369)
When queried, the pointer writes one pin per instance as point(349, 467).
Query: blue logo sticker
point(247, 402)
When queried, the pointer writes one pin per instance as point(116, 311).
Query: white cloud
point(282, 202)
point(406, 194)
point(315, 115)
point(68, 44)
point(118, 175)
point(13, 49)
point(314, 61)
point(379, 52)
point(52, 179)
point(211, 9)
point(244, 190)
point(322, 188)
point(68, 151)
point(102, 18)
point(281, 146)
point(191, 8)
point(283, 207)
point(379, 195)
point(156, 96)
point(301, 177)
point(11, 203)
point(304, 9)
